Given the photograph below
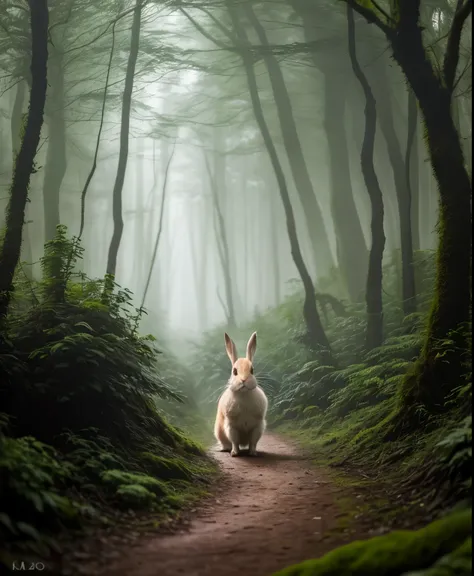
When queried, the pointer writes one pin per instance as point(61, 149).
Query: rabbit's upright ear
point(251, 347)
point(230, 348)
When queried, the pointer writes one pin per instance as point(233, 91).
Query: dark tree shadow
point(265, 457)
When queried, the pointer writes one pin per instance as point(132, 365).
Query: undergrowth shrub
point(80, 392)
point(344, 411)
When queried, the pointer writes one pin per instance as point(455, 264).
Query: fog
point(224, 253)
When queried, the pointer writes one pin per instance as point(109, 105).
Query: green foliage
point(135, 495)
point(456, 563)
point(457, 453)
point(33, 480)
point(80, 398)
point(398, 553)
point(347, 413)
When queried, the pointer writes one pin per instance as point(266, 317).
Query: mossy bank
point(83, 435)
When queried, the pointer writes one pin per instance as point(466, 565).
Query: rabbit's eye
point(251, 370)
point(235, 371)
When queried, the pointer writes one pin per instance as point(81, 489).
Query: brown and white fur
point(242, 408)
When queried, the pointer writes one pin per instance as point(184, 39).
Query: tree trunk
point(217, 183)
point(139, 264)
point(412, 168)
point(247, 224)
point(323, 260)
point(16, 127)
point(124, 137)
point(160, 226)
point(351, 247)
point(316, 335)
point(198, 236)
point(374, 336)
point(387, 126)
point(274, 233)
point(438, 371)
point(17, 118)
point(55, 167)
point(24, 165)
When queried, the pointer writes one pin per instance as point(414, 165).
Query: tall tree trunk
point(198, 236)
point(217, 184)
point(426, 199)
point(387, 126)
point(124, 143)
point(374, 336)
point(11, 247)
point(351, 247)
point(160, 227)
point(411, 168)
point(323, 259)
point(139, 263)
point(316, 334)
point(439, 369)
point(16, 127)
point(247, 224)
point(466, 108)
point(275, 256)
point(437, 374)
point(17, 118)
point(55, 167)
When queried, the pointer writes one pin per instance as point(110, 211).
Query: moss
point(393, 554)
point(457, 563)
point(119, 479)
point(135, 495)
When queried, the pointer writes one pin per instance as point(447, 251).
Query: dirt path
point(272, 511)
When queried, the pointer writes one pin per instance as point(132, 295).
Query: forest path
point(270, 512)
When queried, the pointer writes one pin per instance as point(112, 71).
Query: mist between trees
point(221, 160)
point(224, 230)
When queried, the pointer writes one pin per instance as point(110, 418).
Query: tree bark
point(316, 335)
point(323, 260)
point(124, 141)
point(139, 265)
point(351, 246)
point(17, 118)
point(16, 128)
point(439, 369)
point(387, 126)
point(198, 235)
point(160, 226)
point(374, 335)
point(56, 162)
point(274, 234)
point(24, 165)
point(412, 168)
point(437, 374)
point(217, 183)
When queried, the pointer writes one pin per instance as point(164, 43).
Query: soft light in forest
point(175, 177)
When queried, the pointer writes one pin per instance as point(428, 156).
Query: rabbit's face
point(242, 378)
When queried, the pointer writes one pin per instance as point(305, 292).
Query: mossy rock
point(394, 554)
point(135, 495)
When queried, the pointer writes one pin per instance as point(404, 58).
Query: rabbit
point(242, 408)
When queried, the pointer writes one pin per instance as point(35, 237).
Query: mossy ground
point(443, 547)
